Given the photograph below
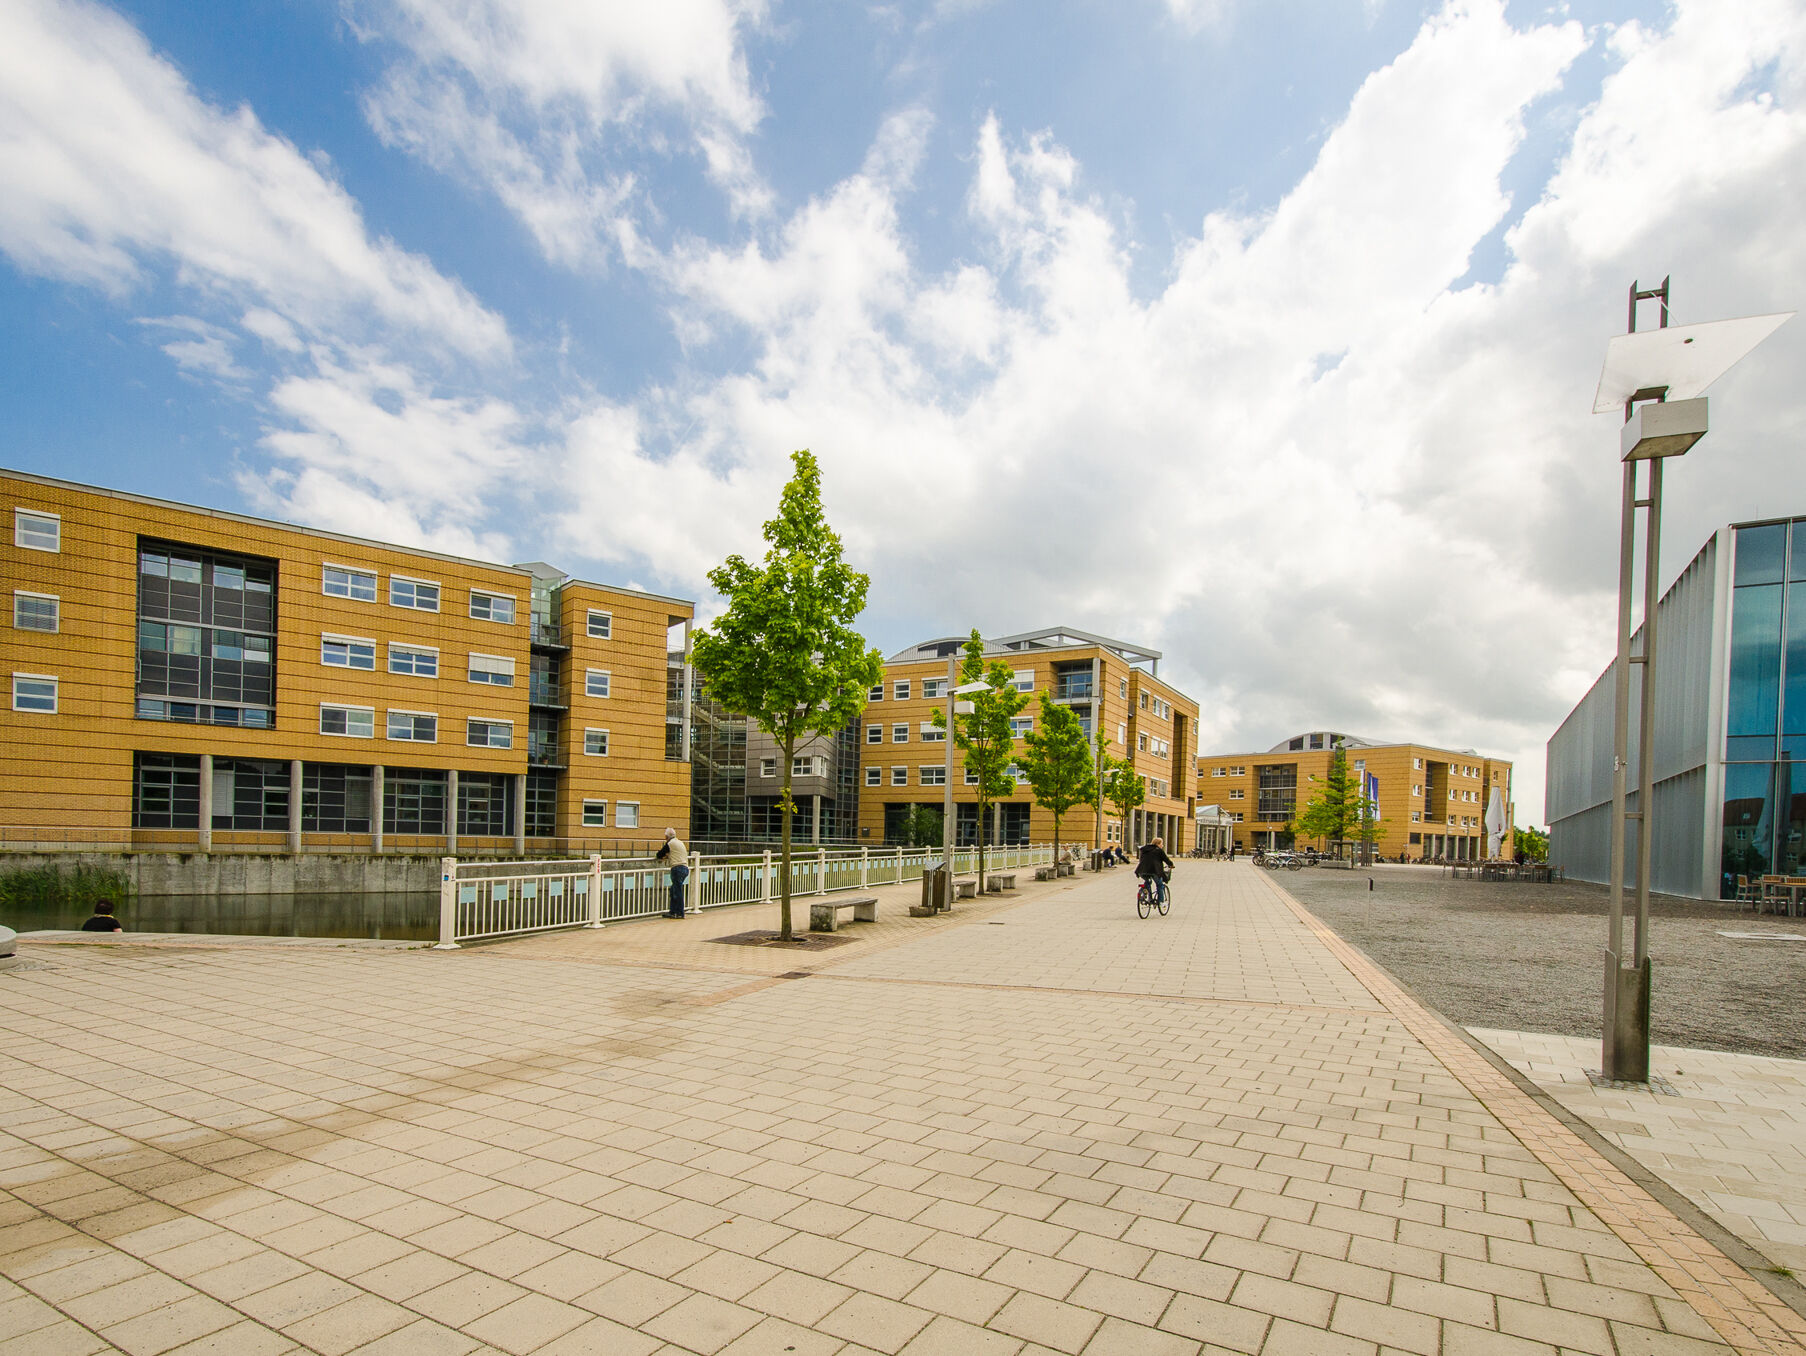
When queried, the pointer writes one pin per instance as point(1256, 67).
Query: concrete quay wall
point(222, 873)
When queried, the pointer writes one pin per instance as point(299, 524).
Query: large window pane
point(1759, 553)
point(1755, 688)
point(1749, 821)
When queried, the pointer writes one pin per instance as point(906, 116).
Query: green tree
point(984, 736)
point(1334, 812)
point(785, 654)
point(1100, 765)
point(1533, 842)
point(1124, 788)
point(1057, 759)
point(921, 827)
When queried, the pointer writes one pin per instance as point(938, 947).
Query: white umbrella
point(1495, 823)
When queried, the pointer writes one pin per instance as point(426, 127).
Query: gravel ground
point(1530, 957)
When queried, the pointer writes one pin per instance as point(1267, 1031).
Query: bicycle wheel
point(1163, 901)
point(1141, 901)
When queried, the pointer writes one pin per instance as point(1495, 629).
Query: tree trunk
point(785, 812)
point(983, 806)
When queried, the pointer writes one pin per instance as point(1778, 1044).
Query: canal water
point(388, 917)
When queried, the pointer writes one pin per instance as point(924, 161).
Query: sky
point(1261, 332)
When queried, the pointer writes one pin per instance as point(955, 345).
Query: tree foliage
point(986, 741)
point(1532, 842)
point(922, 827)
point(785, 654)
point(1339, 810)
point(1057, 760)
point(1125, 789)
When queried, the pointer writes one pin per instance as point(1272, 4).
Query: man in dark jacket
point(1153, 864)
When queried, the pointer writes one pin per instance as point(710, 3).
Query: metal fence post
point(899, 868)
point(595, 889)
point(865, 866)
point(821, 871)
point(693, 889)
point(448, 904)
point(765, 879)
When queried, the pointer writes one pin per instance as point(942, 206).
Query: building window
point(808, 765)
point(933, 776)
point(542, 804)
point(483, 733)
point(485, 800)
point(1144, 701)
point(934, 687)
point(34, 692)
point(874, 776)
point(1417, 765)
point(899, 776)
point(1218, 772)
point(418, 660)
point(899, 734)
point(347, 652)
point(595, 683)
point(166, 791)
point(1021, 725)
point(37, 531)
point(36, 611)
point(627, 815)
point(930, 733)
point(595, 743)
point(354, 722)
point(495, 607)
point(595, 814)
point(415, 726)
point(601, 624)
point(874, 734)
point(495, 669)
point(420, 594)
point(900, 690)
point(345, 581)
point(1023, 680)
point(1237, 793)
point(971, 777)
point(768, 767)
point(206, 636)
point(1141, 743)
point(1122, 733)
point(1122, 687)
point(1278, 786)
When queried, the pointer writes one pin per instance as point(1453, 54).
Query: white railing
point(502, 899)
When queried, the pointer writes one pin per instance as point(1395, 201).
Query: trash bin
point(937, 887)
point(1097, 861)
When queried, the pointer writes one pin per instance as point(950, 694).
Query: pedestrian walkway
point(1048, 1128)
point(1727, 1131)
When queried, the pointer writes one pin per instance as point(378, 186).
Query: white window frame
point(389, 730)
point(811, 765)
point(588, 752)
point(768, 767)
point(347, 732)
point(491, 722)
point(874, 734)
point(608, 624)
point(1122, 734)
point(23, 516)
point(1021, 725)
point(1023, 680)
point(589, 683)
point(938, 771)
point(491, 664)
point(899, 690)
point(930, 733)
point(971, 777)
point(1219, 772)
point(433, 584)
point(55, 694)
point(899, 776)
point(1238, 793)
point(352, 573)
point(494, 597)
point(876, 694)
point(408, 647)
point(874, 776)
point(899, 734)
point(934, 689)
point(624, 820)
point(330, 638)
point(56, 609)
point(601, 810)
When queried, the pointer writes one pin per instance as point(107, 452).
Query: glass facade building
point(1730, 676)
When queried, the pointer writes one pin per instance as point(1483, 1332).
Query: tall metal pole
point(1652, 542)
point(947, 790)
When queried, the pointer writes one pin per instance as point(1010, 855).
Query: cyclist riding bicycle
point(1148, 865)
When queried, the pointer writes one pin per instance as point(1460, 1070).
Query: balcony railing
point(1075, 689)
point(544, 753)
point(545, 692)
point(547, 633)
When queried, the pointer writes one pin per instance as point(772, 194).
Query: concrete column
point(204, 832)
point(815, 824)
point(451, 812)
point(520, 813)
point(376, 808)
point(294, 805)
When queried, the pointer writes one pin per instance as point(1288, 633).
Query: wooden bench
point(966, 888)
point(999, 881)
point(824, 915)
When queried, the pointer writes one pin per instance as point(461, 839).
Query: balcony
point(544, 753)
point(1075, 689)
point(545, 692)
point(546, 635)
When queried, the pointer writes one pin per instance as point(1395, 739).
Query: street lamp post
point(1656, 378)
point(955, 707)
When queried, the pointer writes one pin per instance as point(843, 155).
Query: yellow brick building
point(1110, 684)
point(1431, 802)
point(182, 677)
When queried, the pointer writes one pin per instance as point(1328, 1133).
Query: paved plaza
point(1043, 1125)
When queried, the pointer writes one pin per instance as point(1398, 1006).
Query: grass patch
point(51, 887)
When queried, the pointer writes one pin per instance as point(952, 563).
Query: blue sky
point(1260, 332)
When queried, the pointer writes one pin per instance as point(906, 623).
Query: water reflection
point(391, 917)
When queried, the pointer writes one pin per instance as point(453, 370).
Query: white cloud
point(115, 169)
point(535, 100)
point(204, 349)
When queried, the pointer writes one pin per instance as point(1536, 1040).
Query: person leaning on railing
point(676, 856)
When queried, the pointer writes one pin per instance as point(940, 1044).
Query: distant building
point(1430, 802)
point(191, 679)
point(1111, 685)
point(1730, 684)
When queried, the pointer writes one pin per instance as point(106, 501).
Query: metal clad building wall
point(1578, 780)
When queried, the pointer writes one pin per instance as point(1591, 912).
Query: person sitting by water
point(103, 920)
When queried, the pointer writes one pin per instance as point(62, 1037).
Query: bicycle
point(1152, 896)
